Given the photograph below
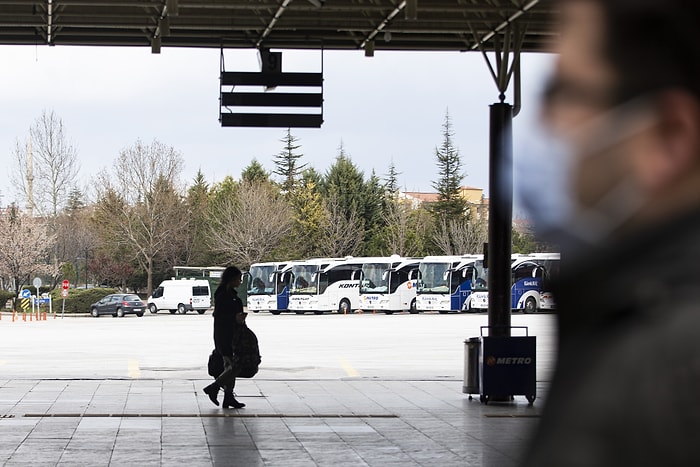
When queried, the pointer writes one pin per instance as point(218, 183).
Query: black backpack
point(246, 355)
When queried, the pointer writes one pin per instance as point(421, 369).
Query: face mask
point(545, 163)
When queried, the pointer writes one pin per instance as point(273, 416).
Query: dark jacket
point(626, 389)
point(226, 306)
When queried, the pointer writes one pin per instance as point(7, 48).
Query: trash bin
point(508, 366)
point(472, 350)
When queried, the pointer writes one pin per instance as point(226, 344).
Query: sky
point(385, 109)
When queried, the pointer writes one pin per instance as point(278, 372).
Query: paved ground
point(333, 390)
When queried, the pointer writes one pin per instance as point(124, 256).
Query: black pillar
point(500, 217)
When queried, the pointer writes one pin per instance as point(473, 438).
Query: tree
point(287, 163)
point(344, 184)
point(391, 184)
point(460, 236)
point(24, 247)
point(341, 234)
point(406, 229)
point(450, 202)
point(246, 227)
point(255, 173)
point(198, 208)
point(309, 215)
point(47, 167)
point(372, 210)
point(76, 238)
point(140, 205)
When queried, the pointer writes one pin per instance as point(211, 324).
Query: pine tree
point(344, 183)
point(392, 185)
point(255, 173)
point(450, 202)
point(287, 163)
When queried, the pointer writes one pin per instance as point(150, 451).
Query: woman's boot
point(213, 391)
point(230, 401)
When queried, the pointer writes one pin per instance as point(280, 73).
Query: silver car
point(118, 304)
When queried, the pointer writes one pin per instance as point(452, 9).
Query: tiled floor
point(354, 422)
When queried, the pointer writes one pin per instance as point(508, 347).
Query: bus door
point(527, 285)
point(462, 285)
point(281, 282)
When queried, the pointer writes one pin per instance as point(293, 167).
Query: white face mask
point(545, 163)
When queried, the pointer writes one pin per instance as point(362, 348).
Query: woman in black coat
point(228, 315)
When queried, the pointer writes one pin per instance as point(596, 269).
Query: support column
point(500, 218)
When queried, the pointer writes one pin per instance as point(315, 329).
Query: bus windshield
point(304, 279)
point(433, 278)
point(480, 276)
point(260, 282)
point(374, 278)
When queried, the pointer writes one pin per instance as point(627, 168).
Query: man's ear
point(675, 151)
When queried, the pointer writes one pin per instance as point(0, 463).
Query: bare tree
point(406, 229)
point(140, 205)
point(460, 236)
point(47, 166)
point(342, 233)
point(246, 227)
point(24, 245)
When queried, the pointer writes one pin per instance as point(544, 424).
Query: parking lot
point(163, 346)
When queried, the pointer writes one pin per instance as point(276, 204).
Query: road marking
point(352, 372)
point(133, 369)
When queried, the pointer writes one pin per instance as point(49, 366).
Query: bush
point(78, 300)
point(5, 295)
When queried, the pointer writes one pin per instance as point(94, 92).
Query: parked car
point(118, 304)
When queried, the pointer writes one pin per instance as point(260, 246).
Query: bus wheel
point(530, 305)
point(388, 312)
point(299, 312)
point(275, 312)
point(413, 310)
point(344, 307)
point(443, 312)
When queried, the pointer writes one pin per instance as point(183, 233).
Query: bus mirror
point(446, 275)
point(313, 276)
point(271, 278)
point(385, 274)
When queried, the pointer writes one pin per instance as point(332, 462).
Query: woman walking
point(228, 316)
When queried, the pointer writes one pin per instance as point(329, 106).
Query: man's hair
point(653, 45)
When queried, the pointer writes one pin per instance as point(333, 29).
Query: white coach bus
point(388, 284)
point(531, 278)
point(324, 285)
point(266, 290)
point(445, 283)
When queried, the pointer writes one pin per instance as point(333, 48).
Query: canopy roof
point(436, 25)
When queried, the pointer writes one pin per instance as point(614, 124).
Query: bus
point(445, 283)
point(267, 291)
point(388, 284)
point(531, 279)
point(325, 284)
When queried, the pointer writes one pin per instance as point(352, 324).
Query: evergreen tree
point(287, 163)
point(197, 202)
point(374, 206)
point(344, 183)
point(255, 173)
point(309, 217)
point(392, 185)
point(450, 202)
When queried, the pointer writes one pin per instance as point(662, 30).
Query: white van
point(181, 295)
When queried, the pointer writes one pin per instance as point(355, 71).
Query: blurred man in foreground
point(624, 108)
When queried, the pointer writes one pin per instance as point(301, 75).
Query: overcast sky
point(390, 107)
